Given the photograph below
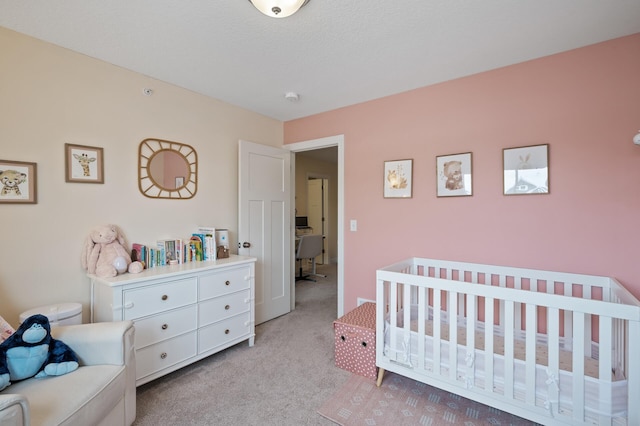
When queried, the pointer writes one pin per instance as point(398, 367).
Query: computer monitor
point(301, 221)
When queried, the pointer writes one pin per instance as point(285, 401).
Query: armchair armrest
point(98, 343)
point(14, 410)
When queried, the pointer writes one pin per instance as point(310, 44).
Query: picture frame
point(454, 175)
point(398, 179)
point(18, 182)
point(526, 170)
point(83, 164)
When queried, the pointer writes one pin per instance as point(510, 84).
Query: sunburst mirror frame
point(150, 187)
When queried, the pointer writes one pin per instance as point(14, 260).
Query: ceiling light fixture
point(278, 8)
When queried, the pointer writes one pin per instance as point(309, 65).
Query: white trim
point(309, 145)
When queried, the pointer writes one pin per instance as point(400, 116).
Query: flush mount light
point(278, 8)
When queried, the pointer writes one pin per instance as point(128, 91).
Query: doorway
point(319, 145)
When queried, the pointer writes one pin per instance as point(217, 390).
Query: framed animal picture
point(454, 175)
point(526, 170)
point(398, 176)
point(18, 182)
point(83, 164)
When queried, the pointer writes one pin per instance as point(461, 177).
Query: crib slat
point(472, 302)
point(578, 366)
point(488, 344)
point(423, 310)
point(568, 319)
point(553, 370)
point(437, 342)
point(605, 368)
point(453, 335)
point(393, 308)
point(530, 357)
point(586, 294)
point(406, 323)
point(517, 284)
point(633, 373)
point(508, 349)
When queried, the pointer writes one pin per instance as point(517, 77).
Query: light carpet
point(404, 401)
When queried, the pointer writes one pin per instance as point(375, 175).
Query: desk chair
point(309, 247)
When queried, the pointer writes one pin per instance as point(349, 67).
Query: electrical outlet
point(354, 225)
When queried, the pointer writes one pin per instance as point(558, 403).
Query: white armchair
point(102, 391)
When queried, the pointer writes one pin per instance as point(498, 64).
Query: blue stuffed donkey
point(31, 351)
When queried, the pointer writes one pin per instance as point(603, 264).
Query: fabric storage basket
point(355, 341)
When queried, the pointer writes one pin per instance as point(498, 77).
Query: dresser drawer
point(223, 282)
point(162, 355)
point(218, 334)
point(213, 310)
point(166, 325)
point(149, 300)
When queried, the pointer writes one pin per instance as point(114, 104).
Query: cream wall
point(50, 96)
point(583, 103)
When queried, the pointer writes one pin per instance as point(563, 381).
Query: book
point(139, 253)
point(195, 245)
point(207, 234)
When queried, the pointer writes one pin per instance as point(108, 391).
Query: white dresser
point(182, 313)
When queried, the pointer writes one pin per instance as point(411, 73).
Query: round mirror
point(167, 169)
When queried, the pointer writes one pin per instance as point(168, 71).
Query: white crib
point(543, 359)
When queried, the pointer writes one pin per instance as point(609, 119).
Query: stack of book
point(201, 246)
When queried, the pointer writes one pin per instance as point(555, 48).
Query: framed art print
point(526, 170)
point(83, 164)
point(398, 176)
point(453, 175)
point(18, 182)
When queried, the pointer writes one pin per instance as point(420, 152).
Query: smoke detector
point(292, 96)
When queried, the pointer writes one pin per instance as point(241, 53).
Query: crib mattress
point(542, 351)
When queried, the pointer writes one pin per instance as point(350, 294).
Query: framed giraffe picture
point(18, 182)
point(83, 164)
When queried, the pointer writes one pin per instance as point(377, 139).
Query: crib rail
point(591, 317)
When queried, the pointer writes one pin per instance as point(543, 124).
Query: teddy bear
point(32, 352)
point(104, 253)
point(453, 174)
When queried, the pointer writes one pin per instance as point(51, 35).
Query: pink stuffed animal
point(103, 246)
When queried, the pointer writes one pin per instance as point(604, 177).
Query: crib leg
point(380, 376)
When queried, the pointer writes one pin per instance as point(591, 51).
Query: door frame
point(329, 141)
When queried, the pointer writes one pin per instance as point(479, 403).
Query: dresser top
point(172, 270)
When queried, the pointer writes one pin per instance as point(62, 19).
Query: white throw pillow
point(5, 330)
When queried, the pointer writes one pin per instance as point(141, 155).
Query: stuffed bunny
point(103, 245)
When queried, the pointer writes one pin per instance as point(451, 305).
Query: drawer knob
point(227, 282)
point(165, 326)
point(163, 355)
point(226, 331)
point(227, 307)
point(165, 297)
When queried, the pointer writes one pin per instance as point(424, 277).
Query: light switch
point(354, 225)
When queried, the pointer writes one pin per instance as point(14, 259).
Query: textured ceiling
point(334, 53)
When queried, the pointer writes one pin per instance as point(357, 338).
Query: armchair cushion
point(100, 391)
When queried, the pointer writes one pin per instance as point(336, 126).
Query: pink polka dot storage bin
point(355, 339)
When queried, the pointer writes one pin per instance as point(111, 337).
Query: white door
point(264, 224)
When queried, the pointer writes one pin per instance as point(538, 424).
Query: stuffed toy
point(104, 253)
point(31, 351)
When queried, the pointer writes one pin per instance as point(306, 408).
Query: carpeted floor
point(280, 381)
point(401, 401)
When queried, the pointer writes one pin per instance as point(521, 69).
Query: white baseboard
point(362, 300)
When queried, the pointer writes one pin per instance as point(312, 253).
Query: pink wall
point(584, 103)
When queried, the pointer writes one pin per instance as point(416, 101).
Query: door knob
point(246, 244)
